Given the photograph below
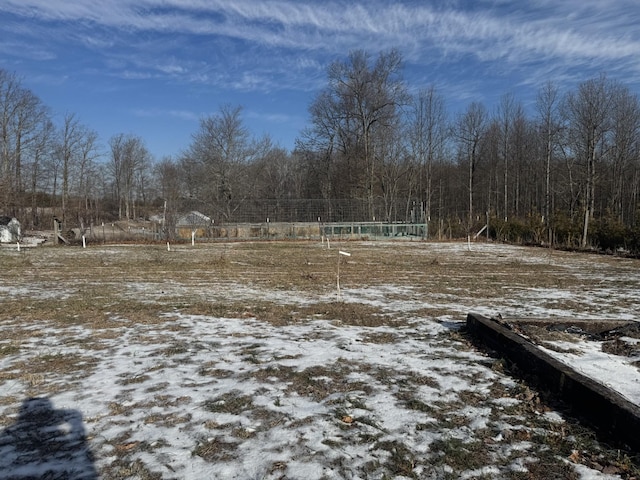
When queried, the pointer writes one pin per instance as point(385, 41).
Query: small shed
point(9, 230)
point(194, 222)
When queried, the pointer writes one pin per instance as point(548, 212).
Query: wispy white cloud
point(271, 117)
point(27, 51)
point(158, 112)
point(554, 28)
point(288, 43)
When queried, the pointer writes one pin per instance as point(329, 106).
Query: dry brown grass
point(216, 450)
point(99, 277)
point(233, 402)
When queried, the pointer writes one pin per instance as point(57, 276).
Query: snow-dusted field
point(237, 361)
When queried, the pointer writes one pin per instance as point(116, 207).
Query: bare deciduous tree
point(41, 150)
point(506, 116)
point(86, 174)
point(427, 132)
point(68, 152)
point(362, 99)
point(168, 174)
point(589, 114)
point(548, 106)
point(129, 156)
point(469, 129)
point(22, 117)
point(10, 92)
point(220, 157)
point(625, 143)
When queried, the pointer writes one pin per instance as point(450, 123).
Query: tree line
point(564, 170)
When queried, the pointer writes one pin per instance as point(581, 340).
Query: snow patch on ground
point(587, 357)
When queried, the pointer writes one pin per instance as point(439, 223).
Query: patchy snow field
point(236, 361)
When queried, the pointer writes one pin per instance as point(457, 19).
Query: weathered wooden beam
point(607, 411)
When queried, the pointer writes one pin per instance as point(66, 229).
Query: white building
point(193, 222)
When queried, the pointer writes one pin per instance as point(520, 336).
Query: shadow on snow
point(46, 443)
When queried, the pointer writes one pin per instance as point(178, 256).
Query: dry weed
point(216, 450)
point(233, 402)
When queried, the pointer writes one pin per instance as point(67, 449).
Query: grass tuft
point(233, 402)
point(216, 450)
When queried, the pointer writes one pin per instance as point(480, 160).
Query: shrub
point(609, 234)
point(567, 230)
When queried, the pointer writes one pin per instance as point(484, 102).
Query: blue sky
point(153, 68)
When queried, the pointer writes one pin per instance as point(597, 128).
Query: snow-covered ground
point(162, 392)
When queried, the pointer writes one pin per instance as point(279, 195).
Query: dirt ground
point(285, 359)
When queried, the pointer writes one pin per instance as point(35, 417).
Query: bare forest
point(561, 170)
